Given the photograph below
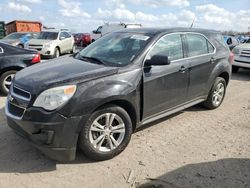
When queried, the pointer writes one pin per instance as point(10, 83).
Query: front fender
point(95, 93)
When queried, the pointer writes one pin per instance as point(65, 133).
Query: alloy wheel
point(218, 94)
point(107, 132)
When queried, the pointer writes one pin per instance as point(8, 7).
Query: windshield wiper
point(92, 58)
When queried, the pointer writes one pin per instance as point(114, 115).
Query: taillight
point(231, 58)
point(36, 59)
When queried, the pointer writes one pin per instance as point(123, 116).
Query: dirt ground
point(193, 148)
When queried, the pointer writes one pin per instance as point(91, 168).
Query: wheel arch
point(126, 105)
point(12, 68)
point(226, 76)
point(58, 47)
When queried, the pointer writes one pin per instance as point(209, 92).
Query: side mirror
point(158, 60)
point(62, 38)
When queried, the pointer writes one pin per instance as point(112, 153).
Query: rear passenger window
point(169, 46)
point(67, 35)
point(198, 45)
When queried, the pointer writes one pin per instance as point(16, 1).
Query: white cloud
point(162, 3)
point(145, 17)
point(32, 1)
point(212, 16)
point(18, 7)
point(123, 14)
point(41, 18)
point(115, 3)
point(184, 18)
point(72, 9)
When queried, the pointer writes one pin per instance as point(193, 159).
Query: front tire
point(216, 94)
point(5, 81)
point(106, 133)
point(56, 53)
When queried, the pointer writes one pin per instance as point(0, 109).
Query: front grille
point(15, 110)
point(36, 45)
point(22, 93)
point(245, 53)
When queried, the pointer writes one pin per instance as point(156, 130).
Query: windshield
point(117, 49)
point(15, 36)
point(47, 35)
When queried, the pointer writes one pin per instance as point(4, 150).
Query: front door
point(165, 87)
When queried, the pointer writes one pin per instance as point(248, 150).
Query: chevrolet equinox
point(97, 97)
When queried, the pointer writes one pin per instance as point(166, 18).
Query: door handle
point(182, 69)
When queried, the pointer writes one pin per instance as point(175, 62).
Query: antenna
point(191, 26)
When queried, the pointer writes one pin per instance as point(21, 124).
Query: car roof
point(155, 31)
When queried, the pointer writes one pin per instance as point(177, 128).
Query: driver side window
point(169, 46)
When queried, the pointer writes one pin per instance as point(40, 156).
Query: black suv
point(126, 79)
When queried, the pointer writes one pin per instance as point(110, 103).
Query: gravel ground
point(193, 148)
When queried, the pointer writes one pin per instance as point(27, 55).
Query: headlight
point(47, 45)
point(55, 97)
point(236, 50)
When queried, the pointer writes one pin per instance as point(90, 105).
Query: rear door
point(69, 41)
point(165, 86)
point(201, 57)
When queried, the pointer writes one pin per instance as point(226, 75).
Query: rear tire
point(20, 46)
point(5, 81)
point(216, 94)
point(235, 69)
point(114, 134)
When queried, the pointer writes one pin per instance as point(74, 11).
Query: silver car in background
point(19, 39)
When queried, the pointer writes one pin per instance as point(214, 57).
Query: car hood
point(39, 41)
point(10, 41)
point(65, 70)
point(244, 46)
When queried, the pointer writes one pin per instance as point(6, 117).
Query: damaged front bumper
point(52, 133)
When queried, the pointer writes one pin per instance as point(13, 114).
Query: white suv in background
point(53, 43)
point(241, 56)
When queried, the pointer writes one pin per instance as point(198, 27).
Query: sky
point(87, 15)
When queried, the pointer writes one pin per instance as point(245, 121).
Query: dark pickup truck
point(99, 96)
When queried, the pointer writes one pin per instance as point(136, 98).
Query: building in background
point(23, 26)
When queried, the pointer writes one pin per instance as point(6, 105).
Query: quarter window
point(210, 47)
point(169, 46)
point(198, 45)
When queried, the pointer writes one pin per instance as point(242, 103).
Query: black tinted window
point(170, 45)
point(47, 35)
point(198, 45)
